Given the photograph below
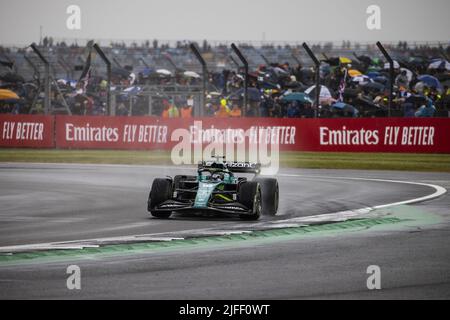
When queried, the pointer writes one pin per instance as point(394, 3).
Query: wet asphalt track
point(45, 203)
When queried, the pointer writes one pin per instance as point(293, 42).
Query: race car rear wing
point(244, 167)
point(235, 167)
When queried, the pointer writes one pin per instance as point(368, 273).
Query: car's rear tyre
point(161, 191)
point(250, 196)
point(270, 193)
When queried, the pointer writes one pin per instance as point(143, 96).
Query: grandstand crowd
point(166, 80)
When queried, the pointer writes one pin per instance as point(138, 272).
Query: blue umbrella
point(129, 91)
point(439, 64)
point(147, 71)
point(297, 96)
point(373, 74)
point(132, 90)
point(345, 107)
point(430, 81)
point(381, 79)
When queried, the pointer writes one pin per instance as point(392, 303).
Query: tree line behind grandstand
point(165, 80)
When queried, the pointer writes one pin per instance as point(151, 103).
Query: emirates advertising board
point(150, 133)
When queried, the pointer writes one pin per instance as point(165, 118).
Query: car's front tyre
point(161, 191)
point(250, 196)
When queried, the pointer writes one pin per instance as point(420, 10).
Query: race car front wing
point(225, 208)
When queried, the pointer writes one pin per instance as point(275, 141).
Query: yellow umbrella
point(344, 60)
point(8, 95)
point(354, 73)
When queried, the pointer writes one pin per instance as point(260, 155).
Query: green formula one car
point(216, 189)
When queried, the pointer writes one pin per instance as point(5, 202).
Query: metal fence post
point(204, 76)
point(318, 87)
point(47, 97)
point(150, 105)
point(245, 62)
point(108, 71)
point(391, 74)
point(35, 69)
point(234, 61)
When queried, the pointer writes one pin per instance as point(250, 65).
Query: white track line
point(439, 190)
point(344, 215)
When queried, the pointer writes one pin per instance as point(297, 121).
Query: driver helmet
point(218, 176)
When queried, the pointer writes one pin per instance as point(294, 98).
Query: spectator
point(170, 110)
point(88, 95)
point(121, 109)
point(402, 80)
point(427, 110)
point(236, 111)
point(186, 112)
point(409, 110)
point(224, 110)
point(293, 110)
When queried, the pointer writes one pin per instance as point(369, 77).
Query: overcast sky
point(232, 20)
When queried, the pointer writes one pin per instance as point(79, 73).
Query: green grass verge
point(314, 160)
point(367, 161)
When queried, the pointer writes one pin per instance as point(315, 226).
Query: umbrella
point(344, 60)
point(164, 72)
point(191, 74)
point(417, 61)
point(430, 81)
point(12, 77)
point(362, 79)
point(253, 94)
point(373, 87)
point(373, 69)
point(325, 93)
point(440, 64)
point(293, 85)
point(416, 98)
point(381, 79)
point(297, 96)
point(132, 90)
point(354, 73)
point(280, 72)
point(365, 59)
point(8, 95)
point(215, 93)
point(409, 74)
point(145, 71)
point(340, 106)
point(120, 72)
point(373, 74)
point(268, 85)
point(332, 61)
point(396, 65)
point(70, 82)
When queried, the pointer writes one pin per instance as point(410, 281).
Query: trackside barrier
point(27, 131)
point(409, 135)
